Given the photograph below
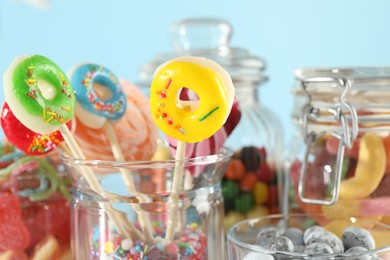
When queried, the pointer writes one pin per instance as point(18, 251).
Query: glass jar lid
point(365, 89)
point(326, 84)
point(209, 38)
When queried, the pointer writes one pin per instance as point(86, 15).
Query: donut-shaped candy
point(99, 94)
point(214, 143)
point(191, 121)
point(38, 93)
point(136, 132)
point(25, 139)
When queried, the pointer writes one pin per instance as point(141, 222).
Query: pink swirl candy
point(136, 132)
point(213, 144)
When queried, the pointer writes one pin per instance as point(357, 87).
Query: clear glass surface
point(198, 218)
point(319, 151)
point(243, 241)
point(34, 206)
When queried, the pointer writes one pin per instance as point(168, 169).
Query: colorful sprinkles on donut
point(83, 78)
point(163, 115)
point(45, 142)
point(34, 86)
point(191, 121)
point(26, 140)
point(34, 92)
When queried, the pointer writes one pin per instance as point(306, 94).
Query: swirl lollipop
point(212, 144)
point(41, 98)
point(136, 131)
point(100, 102)
point(189, 121)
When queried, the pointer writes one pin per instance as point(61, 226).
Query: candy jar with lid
point(339, 158)
point(338, 161)
point(250, 185)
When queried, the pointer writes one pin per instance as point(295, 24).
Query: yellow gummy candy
point(161, 154)
point(260, 192)
point(369, 170)
point(337, 226)
point(381, 238)
point(258, 211)
point(232, 218)
point(342, 208)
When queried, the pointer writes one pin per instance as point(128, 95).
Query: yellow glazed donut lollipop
point(191, 121)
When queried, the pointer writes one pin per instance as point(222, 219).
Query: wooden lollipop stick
point(127, 177)
point(119, 221)
point(188, 184)
point(189, 120)
point(175, 191)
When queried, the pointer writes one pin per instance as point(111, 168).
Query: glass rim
point(224, 154)
point(362, 72)
point(260, 249)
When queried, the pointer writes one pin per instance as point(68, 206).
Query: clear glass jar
point(339, 158)
point(250, 185)
point(34, 206)
point(117, 222)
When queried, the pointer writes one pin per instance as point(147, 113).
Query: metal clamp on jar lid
point(342, 103)
point(208, 38)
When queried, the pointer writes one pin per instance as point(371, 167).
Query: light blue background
point(126, 34)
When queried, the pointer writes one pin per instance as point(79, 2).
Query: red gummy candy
point(383, 189)
point(14, 255)
point(54, 219)
point(272, 199)
point(315, 187)
point(295, 171)
point(29, 213)
point(25, 139)
point(13, 232)
point(332, 145)
point(314, 181)
point(351, 168)
point(386, 143)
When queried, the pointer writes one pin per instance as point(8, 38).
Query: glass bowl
point(242, 236)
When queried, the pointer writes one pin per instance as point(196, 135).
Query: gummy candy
point(369, 170)
point(13, 232)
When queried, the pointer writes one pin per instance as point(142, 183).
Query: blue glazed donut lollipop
point(99, 94)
